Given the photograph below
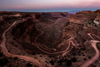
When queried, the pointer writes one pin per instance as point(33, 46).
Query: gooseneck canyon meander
point(73, 34)
point(6, 53)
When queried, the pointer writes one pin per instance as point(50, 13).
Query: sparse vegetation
point(85, 59)
point(15, 58)
point(1, 54)
point(74, 59)
point(69, 63)
point(98, 45)
point(52, 62)
point(29, 65)
point(3, 61)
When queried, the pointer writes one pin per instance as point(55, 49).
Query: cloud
point(27, 3)
point(91, 4)
point(18, 6)
point(52, 4)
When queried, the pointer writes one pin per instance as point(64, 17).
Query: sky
point(49, 5)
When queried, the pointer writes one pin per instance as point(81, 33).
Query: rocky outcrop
point(97, 20)
point(55, 14)
point(97, 11)
point(85, 18)
point(10, 17)
point(58, 14)
point(85, 12)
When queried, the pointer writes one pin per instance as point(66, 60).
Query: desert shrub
point(69, 63)
point(29, 65)
point(3, 61)
point(52, 62)
point(1, 54)
point(98, 45)
point(15, 58)
point(74, 59)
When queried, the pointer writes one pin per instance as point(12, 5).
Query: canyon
point(50, 39)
